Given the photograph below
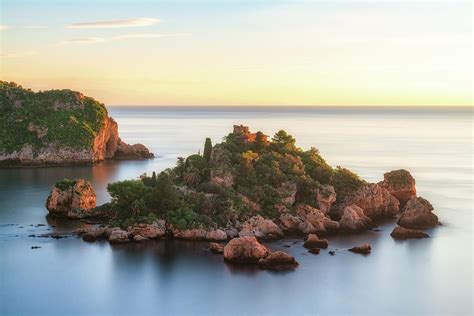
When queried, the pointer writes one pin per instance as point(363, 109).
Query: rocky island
point(245, 190)
point(58, 127)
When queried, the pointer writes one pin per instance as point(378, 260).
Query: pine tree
point(207, 149)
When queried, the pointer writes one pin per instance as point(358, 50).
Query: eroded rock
point(354, 220)
point(245, 250)
point(375, 200)
point(417, 213)
point(261, 228)
point(72, 199)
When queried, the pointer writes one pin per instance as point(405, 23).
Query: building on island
point(243, 133)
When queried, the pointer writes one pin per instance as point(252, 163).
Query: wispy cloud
point(18, 54)
point(94, 40)
point(35, 27)
point(3, 27)
point(139, 22)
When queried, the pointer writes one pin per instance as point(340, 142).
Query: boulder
point(307, 228)
point(245, 250)
point(261, 228)
point(406, 233)
point(289, 222)
point(364, 249)
point(325, 197)
point(136, 151)
point(354, 220)
point(375, 200)
point(287, 192)
point(89, 237)
point(231, 232)
point(216, 235)
point(109, 231)
point(190, 234)
point(417, 213)
point(278, 261)
point(314, 251)
point(70, 197)
point(216, 248)
point(313, 241)
point(139, 238)
point(400, 184)
point(149, 231)
point(320, 222)
point(119, 237)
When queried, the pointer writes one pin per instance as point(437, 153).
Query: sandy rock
point(417, 213)
point(261, 228)
point(216, 248)
point(354, 220)
point(364, 249)
point(65, 201)
point(375, 200)
point(278, 261)
point(245, 250)
point(118, 237)
point(400, 184)
point(313, 241)
point(325, 197)
point(406, 233)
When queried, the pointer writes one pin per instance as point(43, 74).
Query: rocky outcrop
point(149, 231)
point(400, 184)
point(313, 241)
point(278, 261)
point(245, 250)
point(354, 220)
point(216, 235)
point(289, 222)
point(375, 200)
point(70, 129)
point(190, 234)
point(119, 237)
point(320, 222)
point(417, 213)
point(325, 197)
point(406, 233)
point(216, 248)
point(264, 229)
point(364, 249)
point(72, 199)
point(220, 164)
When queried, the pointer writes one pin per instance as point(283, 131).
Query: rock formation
point(261, 228)
point(278, 261)
point(406, 233)
point(400, 184)
point(375, 200)
point(364, 249)
point(71, 198)
point(313, 241)
point(417, 213)
point(354, 220)
point(245, 250)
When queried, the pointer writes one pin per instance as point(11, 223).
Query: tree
point(126, 196)
point(207, 150)
point(345, 182)
point(260, 142)
point(283, 142)
point(316, 167)
point(163, 197)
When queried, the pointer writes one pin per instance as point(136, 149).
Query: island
point(247, 189)
point(58, 127)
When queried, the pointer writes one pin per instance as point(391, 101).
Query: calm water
point(433, 276)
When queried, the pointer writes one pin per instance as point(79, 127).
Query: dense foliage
point(62, 117)
point(230, 182)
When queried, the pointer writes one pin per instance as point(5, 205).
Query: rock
point(149, 231)
point(376, 201)
point(249, 204)
point(314, 251)
point(287, 192)
point(406, 233)
point(89, 237)
point(278, 261)
point(320, 222)
point(216, 235)
point(245, 250)
point(35, 247)
point(221, 166)
point(261, 228)
point(118, 237)
point(307, 228)
point(400, 184)
point(216, 248)
point(313, 241)
point(364, 249)
point(325, 197)
point(332, 253)
point(290, 222)
point(80, 231)
point(232, 232)
point(190, 234)
point(109, 231)
point(417, 213)
point(354, 220)
point(139, 238)
point(68, 196)
point(126, 152)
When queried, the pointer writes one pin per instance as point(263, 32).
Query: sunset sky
point(321, 52)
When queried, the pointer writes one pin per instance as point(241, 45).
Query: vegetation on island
point(243, 176)
point(62, 117)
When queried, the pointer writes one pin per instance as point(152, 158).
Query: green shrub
point(345, 182)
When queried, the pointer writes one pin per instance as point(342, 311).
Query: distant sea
point(430, 276)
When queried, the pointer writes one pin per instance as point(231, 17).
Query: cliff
point(58, 127)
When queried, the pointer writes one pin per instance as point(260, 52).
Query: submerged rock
point(313, 241)
point(278, 261)
point(364, 249)
point(406, 233)
point(354, 220)
point(417, 213)
point(245, 250)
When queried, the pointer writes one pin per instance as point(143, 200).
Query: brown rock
point(417, 213)
point(375, 200)
point(89, 237)
point(406, 233)
point(320, 222)
point(354, 220)
point(261, 228)
point(216, 235)
point(190, 234)
point(136, 151)
point(314, 251)
point(325, 197)
point(289, 222)
point(149, 231)
point(73, 200)
point(216, 248)
point(118, 237)
point(139, 238)
point(245, 250)
point(364, 249)
point(278, 261)
point(400, 184)
point(313, 241)
point(307, 228)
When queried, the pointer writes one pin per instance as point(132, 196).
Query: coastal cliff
point(58, 127)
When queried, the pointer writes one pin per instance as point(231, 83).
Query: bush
point(345, 182)
point(128, 197)
point(65, 184)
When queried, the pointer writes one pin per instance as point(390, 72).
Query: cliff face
point(58, 127)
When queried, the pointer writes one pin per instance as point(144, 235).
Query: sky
point(321, 52)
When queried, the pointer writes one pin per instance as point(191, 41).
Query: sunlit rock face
point(418, 213)
point(71, 199)
point(400, 184)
